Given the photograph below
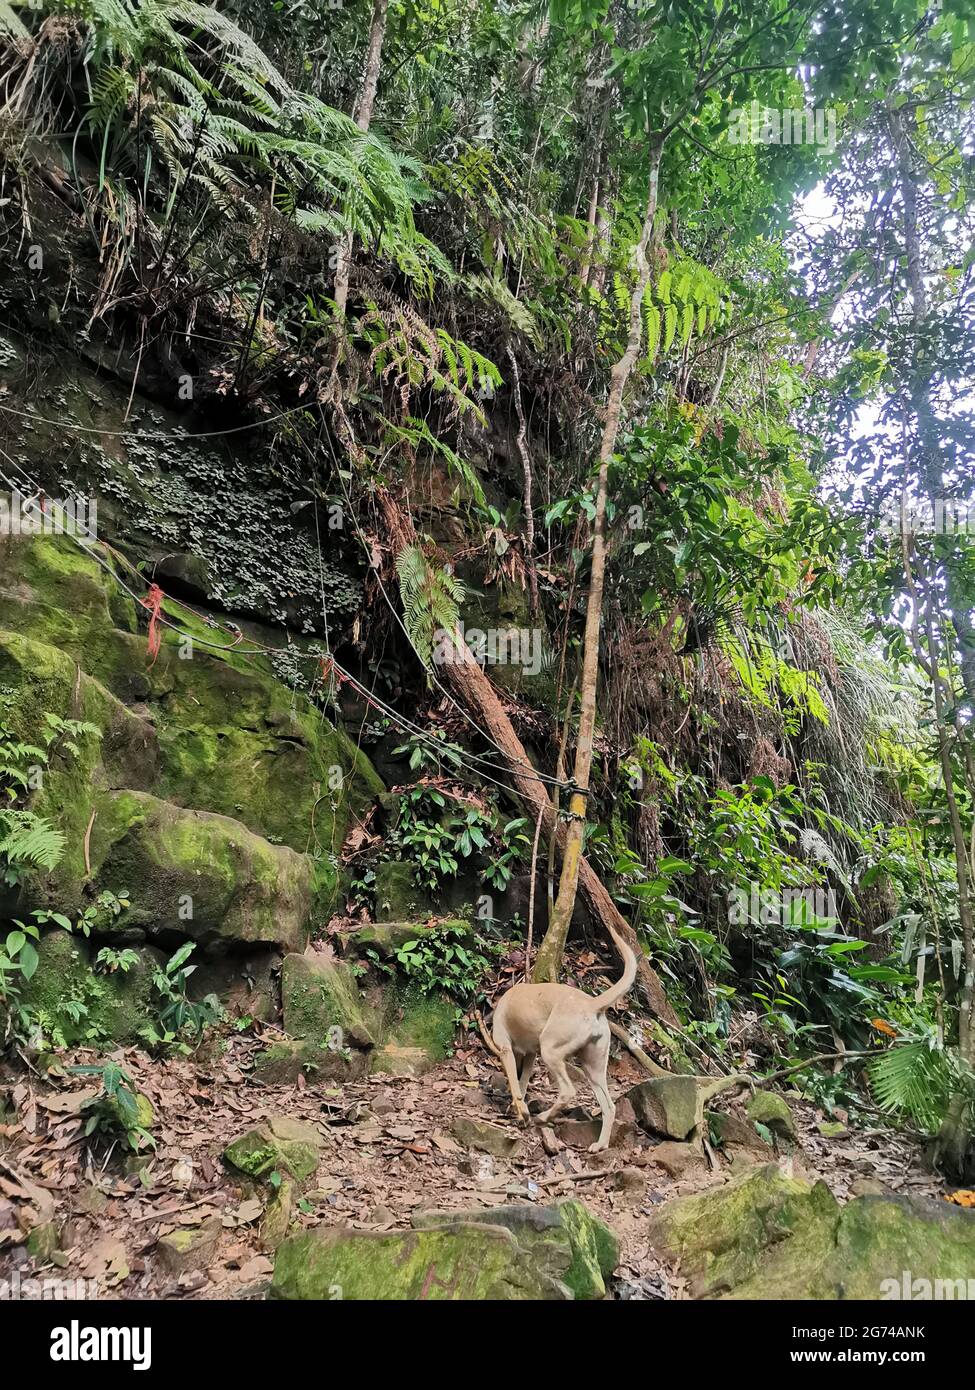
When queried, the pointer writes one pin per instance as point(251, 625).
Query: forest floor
point(388, 1150)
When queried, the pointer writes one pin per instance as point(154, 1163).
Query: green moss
point(232, 738)
point(397, 896)
point(771, 1110)
point(280, 1145)
point(318, 995)
point(419, 1034)
point(282, 1063)
point(202, 875)
point(75, 1005)
point(463, 1263)
point(588, 1249)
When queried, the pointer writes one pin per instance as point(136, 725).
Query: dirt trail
point(388, 1150)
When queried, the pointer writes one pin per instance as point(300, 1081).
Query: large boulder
point(222, 732)
point(592, 1247)
point(320, 994)
point(204, 876)
point(767, 1236)
point(454, 1263)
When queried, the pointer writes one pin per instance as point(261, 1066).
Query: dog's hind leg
point(555, 1052)
point(594, 1059)
point(525, 1073)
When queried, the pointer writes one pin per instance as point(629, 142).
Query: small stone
point(92, 1201)
point(632, 1182)
point(277, 1216)
point(832, 1129)
point(867, 1187)
point(550, 1140)
point(679, 1160)
point(279, 1145)
point(190, 1248)
point(43, 1242)
point(489, 1138)
point(382, 1216)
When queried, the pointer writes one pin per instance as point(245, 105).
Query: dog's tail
point(488, 1040)
point(625, 982)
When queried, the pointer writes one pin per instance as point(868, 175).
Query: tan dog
point(559, 1022)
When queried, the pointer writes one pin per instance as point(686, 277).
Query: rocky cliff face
point(207, 793)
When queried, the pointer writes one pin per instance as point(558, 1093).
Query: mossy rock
point(280, 1145)
point(720, 1237)
point(386, 938)
point(593, 1247)
point(320, 994)
point(190, 1248)
point(877, 1238)
point(229, 736)
point(766, 1236)
point(419, 1034)
point(200, 875)
point(667, 1105)
point(277, 1215)
point(771, 1110)
point(459, 1263)
point(43, 1242)
point(282, 1063)
point(398, 898)
point(77, 1005)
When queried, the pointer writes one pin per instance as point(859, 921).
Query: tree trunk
point(549, 960)
point(471, 685)
point(363, 119)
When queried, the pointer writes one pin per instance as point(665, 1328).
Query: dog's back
point(525, 1009)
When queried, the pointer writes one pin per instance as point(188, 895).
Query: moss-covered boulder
point(767, 1236)
point(459, 1263)
point(320, 994)
point(386, 938)
point(770, 1109)
point(592, 1246)
point(279, 1145)
point(397, 896)
point(226, 734)
point(201, 875)
point(73, 1004)
point(419, 1032)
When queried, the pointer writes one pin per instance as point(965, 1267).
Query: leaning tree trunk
point(475, 691)
point(471, 685)
point(549, 960)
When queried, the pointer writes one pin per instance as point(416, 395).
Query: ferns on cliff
point(430, 598)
